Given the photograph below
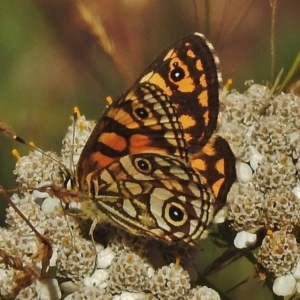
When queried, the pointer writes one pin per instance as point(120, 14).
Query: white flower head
point(244, 239)
point(285, 285)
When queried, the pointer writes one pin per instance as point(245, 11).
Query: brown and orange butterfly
point(152, 164)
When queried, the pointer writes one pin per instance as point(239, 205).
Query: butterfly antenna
point(8, 131)
point(76, 116)
point(33, 147)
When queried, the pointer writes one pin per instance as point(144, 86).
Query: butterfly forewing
point(153, 194)
point(141, 120)
point(188, 72)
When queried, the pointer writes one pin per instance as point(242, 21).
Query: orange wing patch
point(217, 185)
point(199, 65)
point(139, 143)
point(115, 141)
point(187, 121)
point(203, 81)
point(203, 99)
point(220, 165)
point(190, 53)
point(199, 164)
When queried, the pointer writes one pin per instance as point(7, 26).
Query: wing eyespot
point(177, 73)
point(143, 165)
point(141, 113)
point(175, 214)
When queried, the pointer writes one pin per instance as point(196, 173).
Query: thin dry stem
point(98, 31)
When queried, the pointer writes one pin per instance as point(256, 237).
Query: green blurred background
point(49, 63)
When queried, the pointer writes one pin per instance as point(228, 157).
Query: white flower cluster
point(263, 131)
point(125, 268)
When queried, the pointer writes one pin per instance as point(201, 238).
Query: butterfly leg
point(91, 233)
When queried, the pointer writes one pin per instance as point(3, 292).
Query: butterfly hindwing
point(216, 164)
point(153, 194)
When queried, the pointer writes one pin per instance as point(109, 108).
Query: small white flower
point(69, 287)
point(150, 272)
point(49, 289)
point(244, 239)
point(32, 243)
point(296, 192)
point(285, 285)
point(296, 272)
point(98, 279)
point(293, 137)
point(243, 172)
point(105, 257)
point(39, 195)
point(208, 294)
point(3, 274)
point(130, 296)
point(50, 205)
point(257, 90)
point(75, 206)
point(221, 215)
point(248, 134)
point(255, 158)
point(53, 258)
point(298, 287)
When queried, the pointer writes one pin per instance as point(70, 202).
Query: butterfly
point(152, 165)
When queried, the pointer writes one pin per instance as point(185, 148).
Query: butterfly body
point(152, 164)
